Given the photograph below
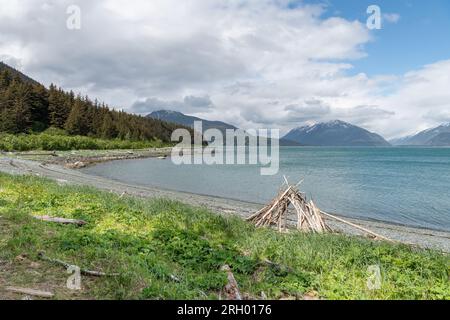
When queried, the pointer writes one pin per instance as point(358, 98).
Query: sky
point(252, 63)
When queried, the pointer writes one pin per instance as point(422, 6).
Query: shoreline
point(57, 170)
point(78, 159)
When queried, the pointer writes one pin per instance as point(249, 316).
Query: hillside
point(335, 133)
point(441, 140)
point(180, 118)
point(15, 72)
point(430, 137)
point(26, 106)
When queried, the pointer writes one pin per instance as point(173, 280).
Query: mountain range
point(185, 120)
point(335, 133)
point(332, 133)
point(439, 136)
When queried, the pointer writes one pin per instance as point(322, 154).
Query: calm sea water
point(409, 186)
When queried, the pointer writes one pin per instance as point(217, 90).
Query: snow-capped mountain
point(335, 133)
point(439, 136)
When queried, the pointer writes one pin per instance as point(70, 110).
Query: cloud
point(310, 110)
point(190, 104)
point(198, 102)
point(439, 115)
point(253, 63)
point(364, 115)
point(420, 99)
point(391, 17)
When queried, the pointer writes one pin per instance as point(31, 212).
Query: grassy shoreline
point(61, 142)
point(59, 168)
point(149, 241)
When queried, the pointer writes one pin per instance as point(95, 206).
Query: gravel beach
point(424, 238)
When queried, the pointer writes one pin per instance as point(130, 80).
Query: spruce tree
point(21, 115)
point(76, 123)
point(5, 79)
point(108, 130)
point(39, 108)
point(59, 107)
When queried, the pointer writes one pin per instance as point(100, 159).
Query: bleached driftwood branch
point(85, 272)
point(376, 235)
point(60, 220)
point(31, 292)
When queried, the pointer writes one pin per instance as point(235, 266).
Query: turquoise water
point(409, 186)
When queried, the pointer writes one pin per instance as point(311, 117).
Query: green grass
point(147, 241)
point(57, 142)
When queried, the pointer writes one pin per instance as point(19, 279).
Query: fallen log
point(31, 292)
point(376, 235)
point(61, 220)
point(53, 154)
point(83, 271)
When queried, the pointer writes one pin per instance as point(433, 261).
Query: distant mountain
point(185, 120)
point(441, 140)
point(335, 133)
point(180, 118)
point(15, 72)
point(399, 141)
point(429, 137)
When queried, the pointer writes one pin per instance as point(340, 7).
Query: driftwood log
point(60, 220)
point(66, 265)
point(376, 235)
point(31, 292)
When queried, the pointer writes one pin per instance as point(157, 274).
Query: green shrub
point(58, 140)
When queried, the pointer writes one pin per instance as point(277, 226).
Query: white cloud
point(190, 104)
point(420, 99)
point(391, 17)
point(257, 62)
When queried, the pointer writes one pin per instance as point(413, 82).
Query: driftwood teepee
point(309, 217)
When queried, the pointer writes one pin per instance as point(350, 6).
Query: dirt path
point(421, 237)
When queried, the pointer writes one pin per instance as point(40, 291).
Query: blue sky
point(420, 37)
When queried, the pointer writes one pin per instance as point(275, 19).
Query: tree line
point(27, 106)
